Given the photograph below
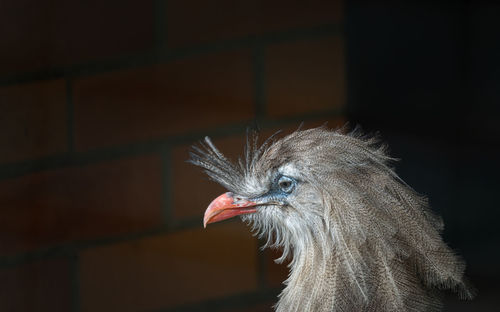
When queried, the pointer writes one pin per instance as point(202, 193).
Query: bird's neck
point(311, 279)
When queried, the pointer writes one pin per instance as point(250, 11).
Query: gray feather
point(359, 238)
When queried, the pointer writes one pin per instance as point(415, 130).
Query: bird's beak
point(225, 207)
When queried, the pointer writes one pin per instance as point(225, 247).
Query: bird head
point(288, 189)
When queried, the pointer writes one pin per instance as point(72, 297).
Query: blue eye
point(286, 184)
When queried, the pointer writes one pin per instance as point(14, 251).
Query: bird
point(357, 237)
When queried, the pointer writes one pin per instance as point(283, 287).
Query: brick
point(40, 35)
point(80, 203)
point(44, 285)
point(33, 120)
point(305, 77)
point(169, 270)
point(192, 190)
point(207, 22)
point(152, 102)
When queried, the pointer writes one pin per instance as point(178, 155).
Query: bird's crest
point(221, 169)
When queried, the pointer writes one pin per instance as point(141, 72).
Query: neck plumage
point(384, 256)
point(310, 284)
point(322, 279)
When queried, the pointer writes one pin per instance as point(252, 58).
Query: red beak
point(224, 207)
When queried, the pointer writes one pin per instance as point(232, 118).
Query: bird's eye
point(286, 184)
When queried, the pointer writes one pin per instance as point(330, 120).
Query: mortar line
point(166, 191)
point(151, 57)
point(75, 282)
point(70, 121)
point(16, 169)
point(69, 249)
point(259, 81)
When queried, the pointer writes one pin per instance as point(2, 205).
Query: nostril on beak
point(235, 198)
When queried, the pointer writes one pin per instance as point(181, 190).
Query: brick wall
point(99, 104)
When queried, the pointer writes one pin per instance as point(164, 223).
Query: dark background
point(427, 76)
point(100, 101)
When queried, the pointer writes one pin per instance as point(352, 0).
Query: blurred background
point(101, 100)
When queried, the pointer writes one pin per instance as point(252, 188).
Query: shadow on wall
point(426, 76)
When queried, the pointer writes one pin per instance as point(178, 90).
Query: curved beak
point(225, 207)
